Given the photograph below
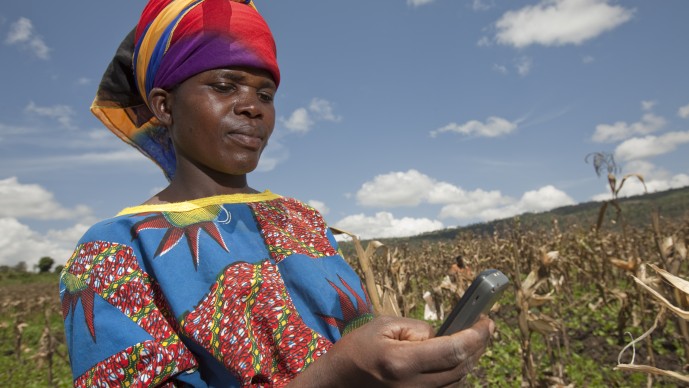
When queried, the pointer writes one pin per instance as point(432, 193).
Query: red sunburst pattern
point(111, 271)
point(352, 316)
point(250, 324)
point(76, 290)
point(290, 227)
point(183, 224)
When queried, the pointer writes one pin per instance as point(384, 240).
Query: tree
point(20, 267)
point(58, 268)
point(45, 263)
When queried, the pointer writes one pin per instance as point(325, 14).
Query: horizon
point(394, 119)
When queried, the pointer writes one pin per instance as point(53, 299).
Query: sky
point(394, 117)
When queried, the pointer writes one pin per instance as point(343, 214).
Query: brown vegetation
point(576, 293)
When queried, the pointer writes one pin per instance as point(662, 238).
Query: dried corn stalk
point(679, 284)
point(654, 371)
point(529, 322)
point(383, 304)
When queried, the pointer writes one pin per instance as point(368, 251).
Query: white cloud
point(493, 127)
point(588, 59)
point(123, 155)
point(385, 225)
point(559, 22)
point(683, 112)
point(84, 81)
point(68, 237)
point(523, 65)
point(443, 192)
point(90, 140)
point(482, 206)
point(484, 41)
point(274, 154)
point(19, 243)
point(412, 188)
point(303, 119)
point(621, 130)
point(476, 200)
point(52, 163)
point(482, 5)
point(492, 205)
point(22, 33)
point(320, 206)
point(395, 189)
point(644, 168)
point(323, 110)
point(647, 105)
point(44, 135)
point(500, 69)
point(679, 180)
point(649, 146)
point(15, 131)
point(19, 200)
point(299, 121)
point(62, 113)
point(634, 187)
point(545, 198)
point(418, 3)
point(655, 179)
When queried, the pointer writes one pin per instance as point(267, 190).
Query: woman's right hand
point(398, 352)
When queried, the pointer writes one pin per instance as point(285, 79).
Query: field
point(577, 297)
point(32, 341)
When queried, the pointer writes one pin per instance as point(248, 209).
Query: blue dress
point(231, 290)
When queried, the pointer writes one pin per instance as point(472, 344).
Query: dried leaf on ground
point(652, 370)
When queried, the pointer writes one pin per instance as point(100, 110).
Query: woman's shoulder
point(116, 228)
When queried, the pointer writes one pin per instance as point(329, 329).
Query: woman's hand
point(398, 352)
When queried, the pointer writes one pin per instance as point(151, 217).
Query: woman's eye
point(265, 97)
point(224, 87)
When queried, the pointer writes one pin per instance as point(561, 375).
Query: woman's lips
point(246, 140)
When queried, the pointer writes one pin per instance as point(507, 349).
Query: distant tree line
point(44, 265)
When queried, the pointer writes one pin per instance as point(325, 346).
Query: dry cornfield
point(584, 308)
point(32, 340)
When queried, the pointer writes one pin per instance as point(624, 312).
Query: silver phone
point(483, 292)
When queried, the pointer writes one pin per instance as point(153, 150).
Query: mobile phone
point(483, 292)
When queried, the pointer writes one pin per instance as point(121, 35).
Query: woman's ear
point(159, 101)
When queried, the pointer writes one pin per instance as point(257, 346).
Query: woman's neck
point(186, 187)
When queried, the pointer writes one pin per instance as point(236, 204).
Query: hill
point(636, 211)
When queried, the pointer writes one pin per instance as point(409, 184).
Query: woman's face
point(221, 119)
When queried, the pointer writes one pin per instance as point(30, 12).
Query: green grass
point(590, 359)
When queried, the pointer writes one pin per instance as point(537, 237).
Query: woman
point(210, 282)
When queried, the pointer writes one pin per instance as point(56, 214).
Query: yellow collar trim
point(200, 203)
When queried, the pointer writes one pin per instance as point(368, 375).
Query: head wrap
point(175, 40)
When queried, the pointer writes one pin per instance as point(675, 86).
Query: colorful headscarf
point(174, 40)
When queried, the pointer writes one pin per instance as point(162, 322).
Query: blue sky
point(395, 117)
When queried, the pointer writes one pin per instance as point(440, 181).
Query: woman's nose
point(248, 104)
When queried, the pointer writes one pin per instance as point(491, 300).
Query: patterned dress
point(233, 290)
